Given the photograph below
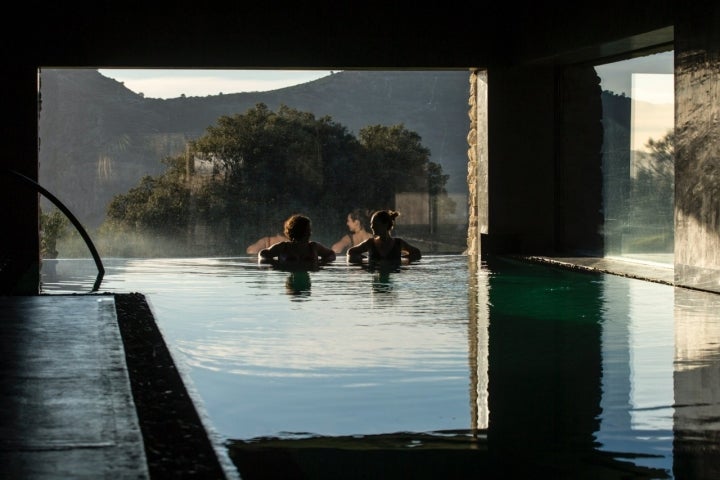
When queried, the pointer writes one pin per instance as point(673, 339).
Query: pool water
point(441, 369)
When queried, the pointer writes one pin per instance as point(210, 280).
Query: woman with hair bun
point(383, 246)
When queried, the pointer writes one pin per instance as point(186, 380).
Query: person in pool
point(383, 247)
point(298, 252)
point(278, 223)
point(265, 242)
point(357, 231)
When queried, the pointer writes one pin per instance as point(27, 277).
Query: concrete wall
point(521, 160)
point(539, 189)
point(697, 149)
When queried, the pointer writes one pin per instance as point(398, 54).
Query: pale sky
point(649, 82)
point(161, 83)
point(655, 72)
point(653, 108)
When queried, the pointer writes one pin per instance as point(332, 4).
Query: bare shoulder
point(273, 250)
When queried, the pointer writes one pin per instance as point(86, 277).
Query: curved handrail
point(75, 222)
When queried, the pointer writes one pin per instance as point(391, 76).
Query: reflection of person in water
point(298, 283)
point(298, 252)
point(357, 224)
point(381, 282)
point(383, 247)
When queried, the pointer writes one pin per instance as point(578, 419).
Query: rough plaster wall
point(472, 240)
point(477, 161)
point(697, 162)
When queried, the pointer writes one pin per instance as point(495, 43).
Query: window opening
point(638, 158)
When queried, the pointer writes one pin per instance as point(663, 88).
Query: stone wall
point(477, 161)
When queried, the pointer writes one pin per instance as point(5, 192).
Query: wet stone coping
point(176, 442)
point(639, 271)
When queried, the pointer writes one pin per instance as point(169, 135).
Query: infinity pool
point(441, 369)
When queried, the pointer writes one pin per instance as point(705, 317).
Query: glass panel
point(638, 157)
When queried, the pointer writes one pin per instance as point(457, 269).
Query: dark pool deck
point(67, 406)
point(67, 403)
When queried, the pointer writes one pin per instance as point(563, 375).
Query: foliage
point(278, 158)
point(159, 203)
point(654, 184)
point(397, 161)
point(53, 226)
point(651, 201)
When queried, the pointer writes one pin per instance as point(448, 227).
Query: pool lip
point(176, 431)
point(652, 272)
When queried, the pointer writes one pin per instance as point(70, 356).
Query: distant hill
point(97, 138)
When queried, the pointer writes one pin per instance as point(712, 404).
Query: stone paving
point(67, 406)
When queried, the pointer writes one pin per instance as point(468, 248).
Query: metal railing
point(91, 246)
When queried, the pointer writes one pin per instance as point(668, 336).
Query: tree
point(265, 164)
point(52, 227)
point(158, 204)
point(396, 160)
point(651, 205)
point(286, 159)
point(436, 186)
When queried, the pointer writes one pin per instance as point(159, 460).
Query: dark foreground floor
point(90, 390)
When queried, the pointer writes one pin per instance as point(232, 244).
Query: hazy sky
point(157, 83)
point(649, 82)
point(657, 77)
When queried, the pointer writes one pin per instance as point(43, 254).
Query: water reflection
point(381, 281)
point(478, 341)
point(696, 382)
point(637, 346)
point(544, 365)
point(298, 283)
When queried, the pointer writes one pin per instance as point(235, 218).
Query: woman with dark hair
point(357, 223)
point(383, 246)
point(297, 251)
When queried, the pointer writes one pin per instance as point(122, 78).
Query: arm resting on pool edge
point(274, 253)
point(355, 254)
point(326, 254)
point(342, 244)
point(267, 255)
point(410, 252)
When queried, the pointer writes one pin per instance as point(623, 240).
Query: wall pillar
point(20, 242)
point(697, 147)
point(477, 162)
